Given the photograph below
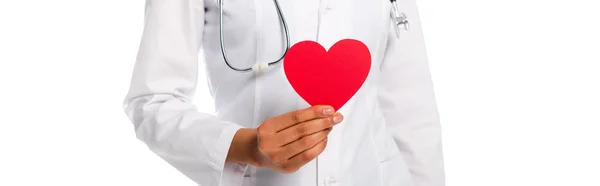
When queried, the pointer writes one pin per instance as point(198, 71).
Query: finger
point(292, 118)
point(304, 157)
point(298, 131)
point(305, 143)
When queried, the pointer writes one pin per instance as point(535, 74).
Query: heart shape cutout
point(324, 77)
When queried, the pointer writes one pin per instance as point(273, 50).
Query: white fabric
point(390, 134)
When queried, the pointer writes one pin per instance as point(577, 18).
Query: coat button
point(327, 9)
point(330, 181)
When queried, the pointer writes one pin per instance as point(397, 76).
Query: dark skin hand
point(286, 142)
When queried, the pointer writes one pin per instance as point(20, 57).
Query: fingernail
point(328, 111)
point(337, 119)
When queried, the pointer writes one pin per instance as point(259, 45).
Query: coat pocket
point(393, 168)
point(395, 172)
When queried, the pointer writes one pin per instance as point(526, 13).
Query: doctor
point(264, 134)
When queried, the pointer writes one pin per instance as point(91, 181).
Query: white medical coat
point(390, 135)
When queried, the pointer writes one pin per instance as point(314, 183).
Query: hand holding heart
point(287, 142)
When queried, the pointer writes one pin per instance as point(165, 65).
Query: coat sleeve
point(408, 102)
point(159, 101)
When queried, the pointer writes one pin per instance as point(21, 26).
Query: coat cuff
point(231, 174)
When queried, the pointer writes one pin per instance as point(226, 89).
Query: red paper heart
point(331, 77)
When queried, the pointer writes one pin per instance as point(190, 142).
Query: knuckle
point(314, 139)
point(261, 130)
point(304, 142)
point(300, 130)
point(317, 111)
point(320, 136)
point(313, 153)
point(309, 155)
point(327, 122)
point(296, 116)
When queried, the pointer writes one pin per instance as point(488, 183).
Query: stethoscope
point(400, 21)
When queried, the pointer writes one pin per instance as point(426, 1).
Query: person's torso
point(359, 151)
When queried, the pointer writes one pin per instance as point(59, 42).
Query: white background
point(517, 81)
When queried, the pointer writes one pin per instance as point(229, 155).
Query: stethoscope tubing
point(399, 19)
point(222, 38)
